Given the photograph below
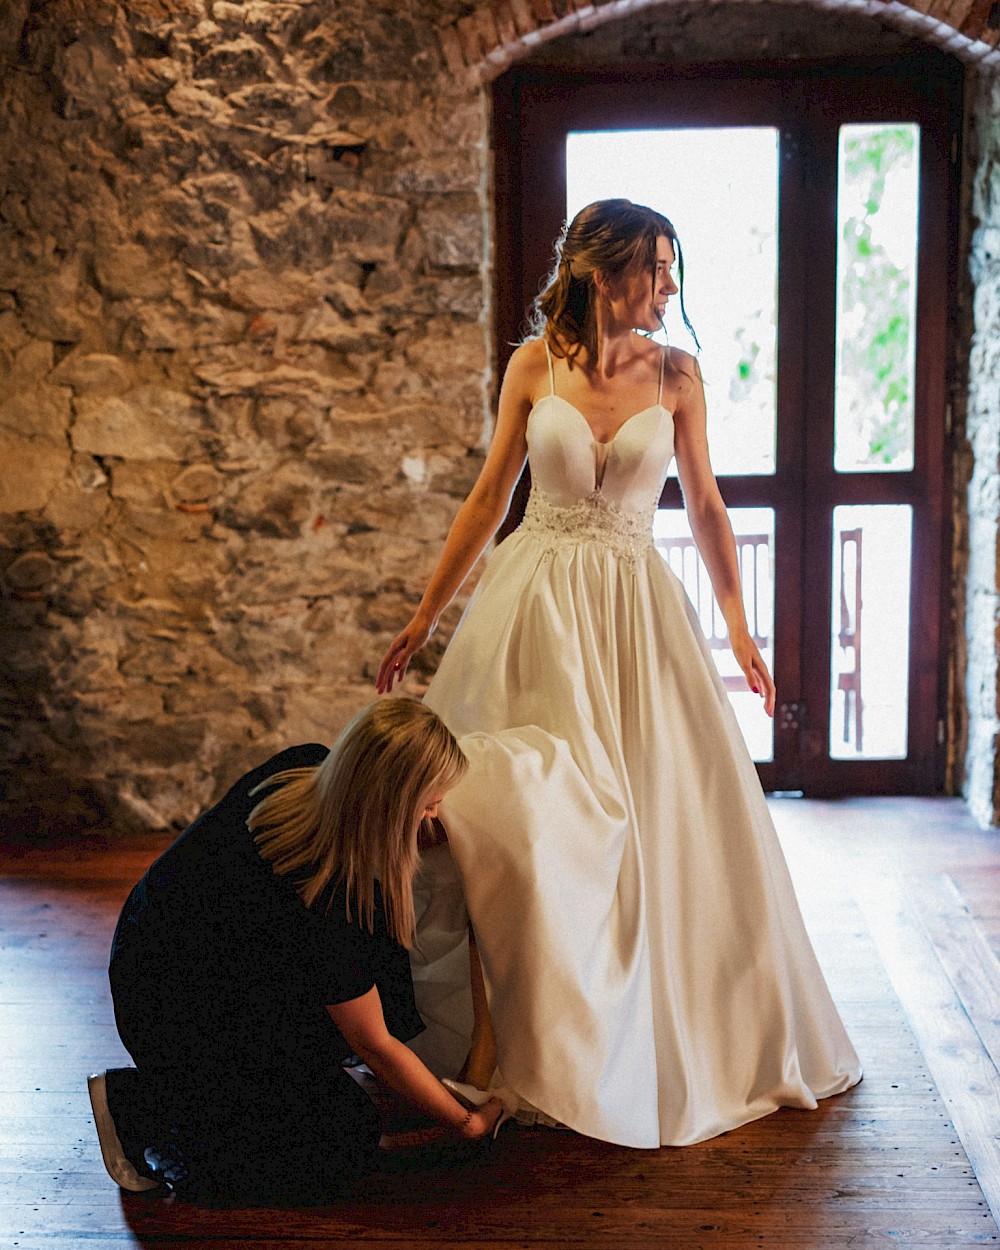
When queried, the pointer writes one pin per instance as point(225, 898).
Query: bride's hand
point(755, 670)
point(401, 649)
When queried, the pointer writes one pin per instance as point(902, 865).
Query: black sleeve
point(342, 963)
point(395, 987)
point(352, 960)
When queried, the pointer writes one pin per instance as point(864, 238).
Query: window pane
point(754, 529)
point(725, 212)
point(876, 297)
point(871, 631)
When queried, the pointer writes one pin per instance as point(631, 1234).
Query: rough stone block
point(73, 510)
point(278, 504)
point(28, 404)
point(130, 270)
point(256, 289)
point(34, 468)
point(149, 423)
point(88, 73)
point(453, 233)
point(198, 105)
point(58, 306)
point(92, 372)
point(367, 228)
point(32, 571)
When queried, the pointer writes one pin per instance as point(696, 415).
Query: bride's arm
point(479, 517)
point(711, 527)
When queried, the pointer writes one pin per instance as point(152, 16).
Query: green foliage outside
point(875, 368)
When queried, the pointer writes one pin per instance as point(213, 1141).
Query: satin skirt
point(649, 976)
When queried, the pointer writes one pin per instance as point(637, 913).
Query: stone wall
point(244, 381)
point(246, 371)
point(979, 463)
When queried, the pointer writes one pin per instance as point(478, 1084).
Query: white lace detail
point(590, 520)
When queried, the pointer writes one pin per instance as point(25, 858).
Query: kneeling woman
point(266, 945)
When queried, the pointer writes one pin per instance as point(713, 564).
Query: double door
point(816, 213)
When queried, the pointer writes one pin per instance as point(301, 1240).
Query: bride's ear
point(602, 283)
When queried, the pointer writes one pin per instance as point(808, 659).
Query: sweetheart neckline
point(597, 441)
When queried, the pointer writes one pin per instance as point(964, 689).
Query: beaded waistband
point(590, 520)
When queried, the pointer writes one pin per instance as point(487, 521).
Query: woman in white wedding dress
point(647, 972)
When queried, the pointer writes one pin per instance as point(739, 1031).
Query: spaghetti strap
point(552, 372)
point(659, 393)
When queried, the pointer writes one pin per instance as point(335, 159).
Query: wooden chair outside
point(849, 635)
point(753, 552)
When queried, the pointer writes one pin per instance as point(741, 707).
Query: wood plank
point(964, 954)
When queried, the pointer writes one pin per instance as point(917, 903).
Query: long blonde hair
point(609, 237)
point(354, 817)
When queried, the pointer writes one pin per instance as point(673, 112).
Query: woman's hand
point(401, 649)
point(754, 669)
point(482, 1121)
point(362, 1026)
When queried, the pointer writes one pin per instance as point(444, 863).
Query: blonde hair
point(610, 237)
point(354, 817)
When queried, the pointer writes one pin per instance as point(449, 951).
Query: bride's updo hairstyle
point(610, 237)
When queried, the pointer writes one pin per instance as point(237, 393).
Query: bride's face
point(642, 301)
point(429, 832)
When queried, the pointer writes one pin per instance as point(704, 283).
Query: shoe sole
point(119, 1168)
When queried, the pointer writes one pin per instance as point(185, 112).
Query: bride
point(639, 967)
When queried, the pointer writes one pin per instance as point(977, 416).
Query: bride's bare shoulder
point(529, 354)
point(528, 370)
point(684, 367)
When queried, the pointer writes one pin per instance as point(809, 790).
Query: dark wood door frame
point(533, 109)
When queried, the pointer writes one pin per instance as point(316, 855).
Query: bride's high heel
point(514, 1108)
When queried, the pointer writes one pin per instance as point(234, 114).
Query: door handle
point(792, 715)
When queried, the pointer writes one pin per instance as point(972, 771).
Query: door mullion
point(788, 483)
point(820, 250)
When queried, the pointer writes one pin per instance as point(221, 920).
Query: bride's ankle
point(478, 1069)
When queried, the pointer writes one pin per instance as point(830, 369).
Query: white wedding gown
point(649, 976)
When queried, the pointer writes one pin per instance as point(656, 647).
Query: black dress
point(220, 977)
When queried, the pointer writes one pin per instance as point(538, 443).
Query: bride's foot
point(472, 1098)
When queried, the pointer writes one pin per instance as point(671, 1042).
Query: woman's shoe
point(120, 1168)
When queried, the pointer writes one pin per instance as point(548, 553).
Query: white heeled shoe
point(514, 1108)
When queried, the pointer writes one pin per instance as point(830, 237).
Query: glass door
point(881, 186)
point(732, 299)
point(815, 215)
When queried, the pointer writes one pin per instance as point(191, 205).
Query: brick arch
point(481, 45)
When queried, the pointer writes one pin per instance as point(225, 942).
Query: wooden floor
point(902, 897)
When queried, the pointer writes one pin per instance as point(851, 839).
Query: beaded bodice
point(591, 519)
